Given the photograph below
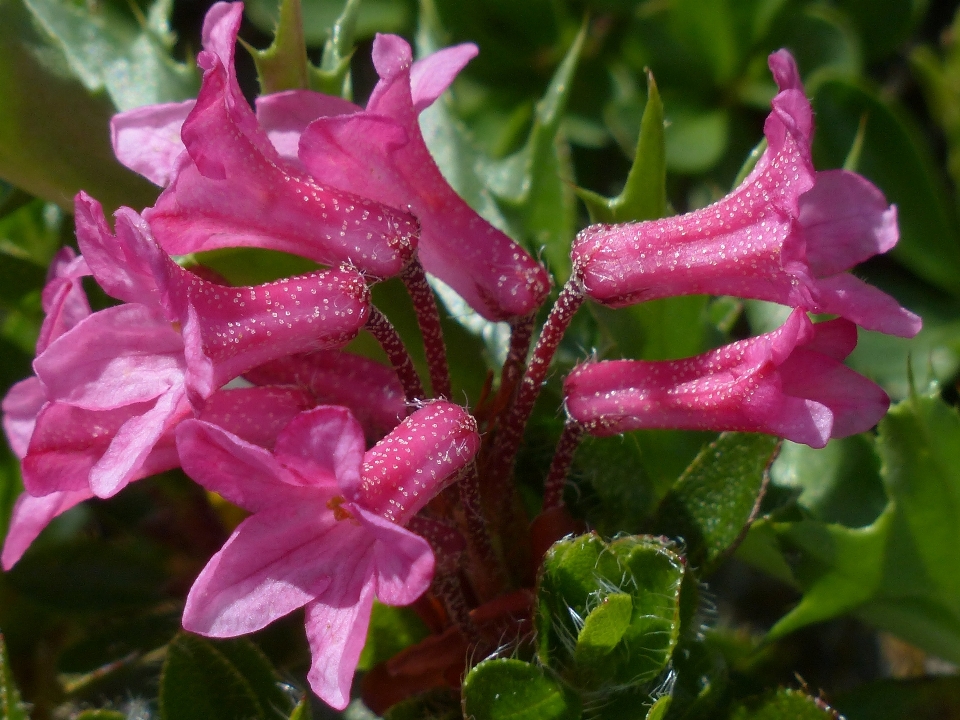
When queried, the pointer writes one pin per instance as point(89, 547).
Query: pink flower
point(134, 370)
point(371, 391)
point(325, 532)
point(231, 187)
point(380, 152)
point(790, 382)
point(787, 234)
point(268, 181)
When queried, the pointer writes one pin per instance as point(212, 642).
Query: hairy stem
point(382, 329)
point(560, 466)
point(428, 319)
point(484, 568)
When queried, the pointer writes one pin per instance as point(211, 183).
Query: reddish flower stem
point(485, 569)
point(560, 466)
point(382, 329)
point(511, 430)
point(428, 319)
point(520, 336)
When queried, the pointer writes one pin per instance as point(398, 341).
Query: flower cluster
point(342, 462)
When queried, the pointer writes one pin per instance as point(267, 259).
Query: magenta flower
point(371, 391)
point(790, 382)
point(380, 152)
point(231, 187)
point(787, 234)
point(325, 532)
point(134, 370)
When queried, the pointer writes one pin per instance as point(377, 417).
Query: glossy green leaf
point(901, 572)
point(578, 578)
point(283, 65)
point(898, 159)
point(333, 75)
point(644, 196)
point(11, 706)
point(227, 679)
point(786, 704)
point(663, 329)
point(113, 48)
point(505, 689)
point(717, 496)
point(391, 630)
point(658, 711)
point(54, 132)
point(319, 16)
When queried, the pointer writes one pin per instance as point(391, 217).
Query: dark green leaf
point(663, 329)
point(302, 710)
point(884, 24)
point(436, 704)
point(696, 138)
point(584, 576)
point(716, 497)
point(101, 715)
point(786, 705)
point(644, 196)
point(504, 689)
point(228, 679)
point(32, 232)
point(11, 707)
point(658, 711)
point(253, 266)
point(920, 699)
point(333, 75)
point(391, 630)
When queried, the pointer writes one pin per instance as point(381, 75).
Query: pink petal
point(256, 414)
point(245, 474)
point(337, 631)
point(121, 355)
point(406, 469)
point(324, 446)
point(845, 220)
point(276, 561)
point(364, 153)
point(285, 115)
point(123, 264)
point(371, 390)
point(147, 139)
point(235, 190)
point(30, 516)
point(433, 74)
point(64, 301)
point(403, 562)
point(834, 338)
point(870, 308)
point(228, 331)
point(21, 405)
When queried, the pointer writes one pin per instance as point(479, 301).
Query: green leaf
point(436, 704)
point(32, 232)
point(578, 578)
point(898, 159)
point(663, 329)
point(254, 266)
point(101, 715)
point(11, 707)
point(227, 679)
point(884, 25)
point(901, 573)
point(111, 46)
point(930, 698)
point(283, 65)
point(391, 630)
point(786, 704)
point(695, 138)
point(505, 689)
point(302, 710)
point(658, 711)
point(333, 75)
point(644, 196)
point(714, 500)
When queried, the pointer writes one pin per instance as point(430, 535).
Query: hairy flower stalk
point(428, 320)
point(386, 334)
point(556, 478)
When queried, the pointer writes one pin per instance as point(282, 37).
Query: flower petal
point(403, 561)
point(255, 414)
point(285, 115)
point(870, 308)
point(21, 405)
point(433, 74)
point(324, 446)
point(30, 516)
point(147, 139)
point(64, 301)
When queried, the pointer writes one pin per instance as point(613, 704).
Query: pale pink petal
point(337, 631)
point(63, 299)
point(371, 390)
point(147, 139)
point(845, 221)
point(255, 414)
point(121, 355)
point(245, 474)
point(433, 74)
point(408, 467)
point(30, 516)
point(21, 405)
point(123, 460)
point(403, 562)
point(234, 189)
point(324, 445)
point(363, 153)
point(870, 308)
point(285, 115)
point(276, 561)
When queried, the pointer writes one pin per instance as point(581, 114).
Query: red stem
point(560, 467)
point(428, 319)
point(382, 329)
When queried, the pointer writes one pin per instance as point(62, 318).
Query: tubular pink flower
point(172, 345)
point(370, 390)
point(232, 188)
point(380, 152)
point(322, 535)
point(786, 234)
point(790, 382)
